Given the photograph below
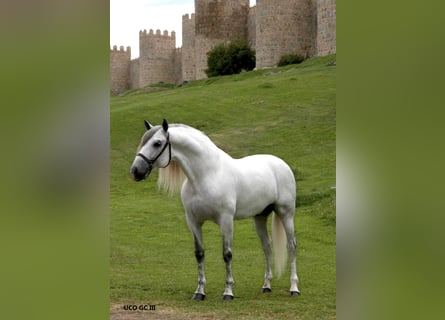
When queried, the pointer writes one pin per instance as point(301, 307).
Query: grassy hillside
point(288, 112)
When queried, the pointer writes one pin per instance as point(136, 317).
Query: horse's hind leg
point(261, 230)
point(286, 214)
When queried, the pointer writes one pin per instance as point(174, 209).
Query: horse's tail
point(279, 242)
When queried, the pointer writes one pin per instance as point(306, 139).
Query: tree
point(232, 58)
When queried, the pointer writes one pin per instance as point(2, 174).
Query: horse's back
point(274, 167)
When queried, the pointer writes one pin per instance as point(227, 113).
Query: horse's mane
point(171, 178)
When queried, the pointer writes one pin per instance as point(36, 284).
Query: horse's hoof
point(199, 297)
point(266, 290)
point(227, 297)
point(295, 293)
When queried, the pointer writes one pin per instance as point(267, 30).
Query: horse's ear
point(165, 125)
point(147, 124)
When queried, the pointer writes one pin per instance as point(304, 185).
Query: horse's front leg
point(226, 226)
point(199, 254)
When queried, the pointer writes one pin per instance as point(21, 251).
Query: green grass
point(288, 112)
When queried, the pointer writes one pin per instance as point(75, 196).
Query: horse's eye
point(157, 144)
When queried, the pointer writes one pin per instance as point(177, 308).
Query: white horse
point(219, 188)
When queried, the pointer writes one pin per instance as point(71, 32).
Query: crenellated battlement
point(157, 34)
point(272, 28)
point(186, 17)
point(121, 49)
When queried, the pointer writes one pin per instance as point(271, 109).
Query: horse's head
point(153, 152)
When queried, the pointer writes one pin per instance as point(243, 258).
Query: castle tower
point(156, 57)
point(284, 27)
point(188, 47)
point(217, 21)
point(119, 69)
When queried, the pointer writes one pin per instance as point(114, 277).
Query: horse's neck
point(195, 152)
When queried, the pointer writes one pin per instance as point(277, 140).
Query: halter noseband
point(151, 162)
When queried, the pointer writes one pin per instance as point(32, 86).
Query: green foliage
point(232, 58)
point(290, 59)
point(289, 112)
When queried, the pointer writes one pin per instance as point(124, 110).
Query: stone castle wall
point(272, 28)
point(217, 21)
point(134, 74)
point(251, 28)
point(177, 66)
point(188, 48)
point(326, 22)
point(156, 55)
point(119, 69)
point(284, 27)
point(221, 19)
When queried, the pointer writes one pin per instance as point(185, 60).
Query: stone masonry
point(326, 22)
point(119, 69)
point(156, 56)
point(283, 27)
point(272, 28)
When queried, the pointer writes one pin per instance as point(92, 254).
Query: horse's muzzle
point(139, 174)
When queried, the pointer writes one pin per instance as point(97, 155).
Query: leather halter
point(151, 162)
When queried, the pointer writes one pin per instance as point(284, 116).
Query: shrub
point(290, 59)
point(232, 58)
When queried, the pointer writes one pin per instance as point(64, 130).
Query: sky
point(128, 17)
